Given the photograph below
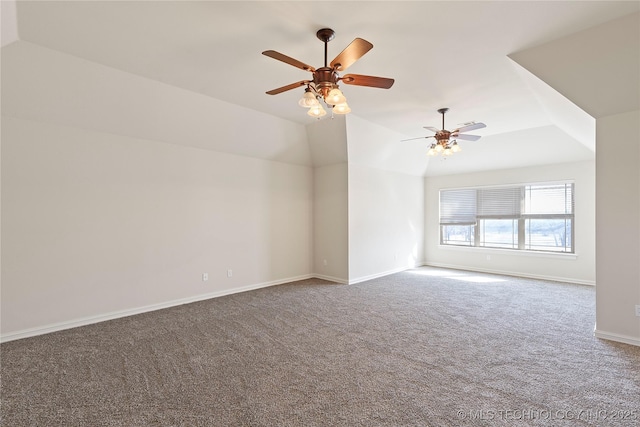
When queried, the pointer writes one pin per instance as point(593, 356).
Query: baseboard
point(55, 327)
point(382, 274)
point(331, 278)
point(26, 333)
point(514, 273)
point(617, 337)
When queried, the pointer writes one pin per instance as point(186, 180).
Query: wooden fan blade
point(466, 137)
point(288, 87)
point(356, 49)
point(467, 128)
point(360, 80)
point(432, 129)
point(288, 60)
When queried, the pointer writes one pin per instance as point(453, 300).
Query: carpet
point(424, 347)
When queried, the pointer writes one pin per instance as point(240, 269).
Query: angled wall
point(618, 231)
point(598, 70)
point(386, 201)
point(116, 197)
point(328, 146)
point(368, 210)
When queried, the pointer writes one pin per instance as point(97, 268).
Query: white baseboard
point(382, 274)
point(514, 273)
point(331, 278)
point(617, 337)
point(55, 327)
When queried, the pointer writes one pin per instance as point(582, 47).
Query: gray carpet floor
point(425, 347)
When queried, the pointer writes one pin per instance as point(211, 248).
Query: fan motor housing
point(325, 79)
point(442, 137)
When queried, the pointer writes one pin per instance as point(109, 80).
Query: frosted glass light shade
point(308, 100)
point(316, 111)
point(335, 97)
point(342, 108)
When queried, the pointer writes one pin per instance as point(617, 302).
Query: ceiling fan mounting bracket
point(325, 34)
point(443, 110)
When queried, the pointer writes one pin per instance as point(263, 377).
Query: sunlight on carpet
point(462, 276)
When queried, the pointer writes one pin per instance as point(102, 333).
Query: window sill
point(515, 252)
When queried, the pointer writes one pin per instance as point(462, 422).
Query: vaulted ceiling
point(456, 54)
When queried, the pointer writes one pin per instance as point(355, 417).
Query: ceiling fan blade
point(288, 87)
point(466, 137)
point(356, 49)
point(288, 60)
point(473, 126)
point(412, 139)
point(360, 80)
point(432, 129)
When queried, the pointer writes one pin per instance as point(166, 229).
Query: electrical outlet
point(324, 262)
point(638, 310)
point(205, 277)
point(229, 273)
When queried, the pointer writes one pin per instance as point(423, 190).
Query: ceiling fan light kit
point(324, 87)
point(324, 84)
point(308, 100)
point(317, 111)
point(446, 141)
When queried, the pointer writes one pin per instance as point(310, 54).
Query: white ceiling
point(440, 53)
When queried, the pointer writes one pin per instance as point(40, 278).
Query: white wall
point(600, 84)
point(331, 222)
point(578, 269)
point(386, 217)
point(618, 227)
point(118, 192)
point(96, 224)
point(606, 86)
point(377, 147)
point(368, 211)
point(327, 140)
point(46, 85)
point(386, 200)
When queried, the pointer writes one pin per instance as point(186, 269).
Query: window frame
point(520, 217)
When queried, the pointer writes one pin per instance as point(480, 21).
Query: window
point(534, 217)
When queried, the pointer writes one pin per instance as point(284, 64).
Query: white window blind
point(466, 206)
point(458, 207)
point(537, 217)
point(547, 199)
point(499, 202)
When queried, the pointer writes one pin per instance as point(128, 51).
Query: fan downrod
point(442, 111)
point(325, 34)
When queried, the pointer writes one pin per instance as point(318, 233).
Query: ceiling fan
point(324, 82)
point(446, 140)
